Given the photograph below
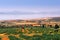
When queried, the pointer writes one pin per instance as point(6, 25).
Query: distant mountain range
point(55, 19)
point(29, 13)
point(37, 19)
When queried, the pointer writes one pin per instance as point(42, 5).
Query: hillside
point(55, 18)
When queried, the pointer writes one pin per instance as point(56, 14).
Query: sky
point(29, 9)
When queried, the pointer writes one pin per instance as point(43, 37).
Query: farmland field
point(29, 33)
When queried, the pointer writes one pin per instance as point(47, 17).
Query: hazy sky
point(27, 9)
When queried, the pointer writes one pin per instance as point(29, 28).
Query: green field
point(31, 33)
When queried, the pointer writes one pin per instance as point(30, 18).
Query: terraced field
point(29, 33)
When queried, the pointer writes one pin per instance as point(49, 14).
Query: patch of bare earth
point(4, 37)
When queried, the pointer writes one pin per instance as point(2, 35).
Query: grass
point(31, 33)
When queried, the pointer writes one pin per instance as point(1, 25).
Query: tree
point(56, 27)
point(43, 25)
point(50, 26)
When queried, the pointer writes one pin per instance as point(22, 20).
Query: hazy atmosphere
point(29, 9)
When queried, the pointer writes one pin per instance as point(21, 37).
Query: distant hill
point(34, 20)
point(55, 19)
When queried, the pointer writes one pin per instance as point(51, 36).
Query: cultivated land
point(29, 33)
point(42, 29)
